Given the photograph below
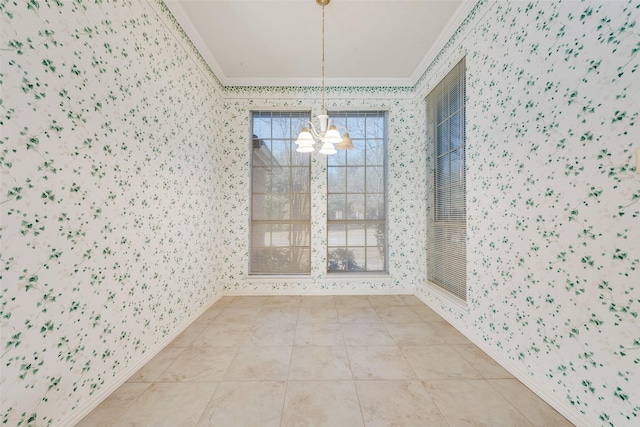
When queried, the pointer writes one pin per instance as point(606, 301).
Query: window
point(356, 199)
point(280, 198)
point(447, 215)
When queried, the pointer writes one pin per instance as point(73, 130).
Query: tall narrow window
point(447, 260)
point(356, 180)
point(280, 196)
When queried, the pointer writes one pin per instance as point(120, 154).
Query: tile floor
point(338, 361)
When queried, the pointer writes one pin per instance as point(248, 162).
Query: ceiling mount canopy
point(327, 134)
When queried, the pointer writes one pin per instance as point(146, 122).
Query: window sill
point(279, 278)
point(358, 277)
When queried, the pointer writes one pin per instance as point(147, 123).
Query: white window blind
point(446, 253)
point(280, 238)
point(356, 199)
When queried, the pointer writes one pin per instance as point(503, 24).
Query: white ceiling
point(278, 42)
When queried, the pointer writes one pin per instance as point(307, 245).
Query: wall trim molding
point(121, 377)
point(565, 409)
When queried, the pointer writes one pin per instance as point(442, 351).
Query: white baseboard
point(322, 292)
point(565, 409)
point(121, 377)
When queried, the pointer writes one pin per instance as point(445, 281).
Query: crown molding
point(183, 20)
point(463, 10)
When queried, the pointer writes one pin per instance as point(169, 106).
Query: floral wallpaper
point(108, 197)
point(125, 183)
point(553, 197)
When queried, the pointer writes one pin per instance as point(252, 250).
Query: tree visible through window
point(280, 196)
point(356, 199)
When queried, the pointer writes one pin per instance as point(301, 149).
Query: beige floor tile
point(222, 334)
point(277, 314)
point(321, 404)
point(270, 334)
point(245, 403)
point(199, 364)
point(260, 363)
point(438, 362)
point(188, 336)
point(209, 315)
point(537, 411)
point(169, 405)
point(156, 366)
point(473, 403)
point(318, 301)
point(349, 314)
point(397, 403)
point(320, 363)
point(450, 334)
point(426, 313)
point(386, 301)
point(318, 315)
point(379, 363)
point(414, 334)
point(248, 301)
point(319, 334)
point(109, 411)
point(352, 301)
point(404, 314)
point(486, 366)
point(237, 315)
point(366, 334)
point(412, 300)
point(282, 301)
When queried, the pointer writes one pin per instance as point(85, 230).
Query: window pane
point(338, 159)
point(355, 179)
point(375, 259)
point(375, 206)
point(281, 152)
point(356, 157)
point(337, 259)
point(262, 127)
point(375, 152)
point(281, 127)
point(300, 206)
point(300, 179)
point(375, 179)
point(355, 235)
point(355, 206)
point(455, 130)
point(337, 206)
point(279, 206)
point(442, 136)
point(260, 206)
point(457, 167)
point(337, 235)
point(280, 180)
point(301, 235)
point(454, 97)
point(375, 126)
point(357, 259)
point(442, 171)
point(356, 127)
point(337, 179)
point(280, 234)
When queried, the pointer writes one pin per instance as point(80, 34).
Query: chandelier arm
point(313, 131)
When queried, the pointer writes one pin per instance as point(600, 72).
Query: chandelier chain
point(323, 109)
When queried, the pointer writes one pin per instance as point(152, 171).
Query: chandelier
point(327, 134)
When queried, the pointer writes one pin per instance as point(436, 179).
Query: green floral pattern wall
point(116, 229)
point(108, 202)
point(553, 120)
